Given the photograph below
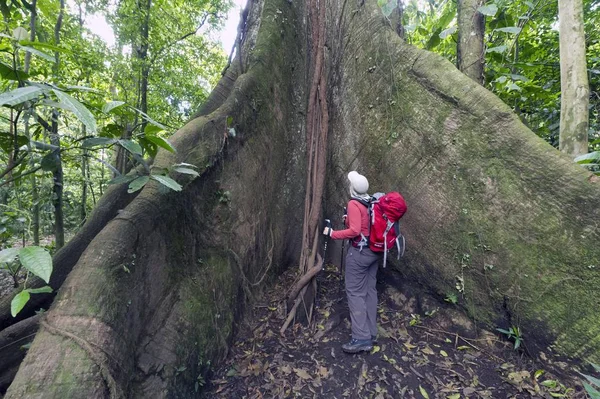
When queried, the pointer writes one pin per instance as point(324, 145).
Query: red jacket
point(357, 222)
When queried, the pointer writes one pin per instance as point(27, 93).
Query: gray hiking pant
point(361, 278)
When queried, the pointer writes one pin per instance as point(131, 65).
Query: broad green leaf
point(187, 165)
point(497, 49)
point(513, 87)
point(510, 29)
point(20, 33)
point(7, 141)
point(80, 111)
point(109, 106)
point(448, 16)
point(43, 290)
point(82, 88)
point(97, 141)
point(588, 158)
point(10, 74)
point(39, 53)
point(593, 392)
point(434, 40)
point(388, 9)
point(123, 179)
point(131, 146)
point(186, 171)
point(111, 130)
point(18, 302)
point(423, 392)
point(45, 46)
point(152, 121)
point(150, 148)
point(592, 380)
point(20, 95)
point(8, 255)
point(167, 181)
point(519, 77)
point(37, 260)
point(448, 32)
point(152, 130)
point(48, 162)
point(490, 10)
point(159, 141)
point(137, 184)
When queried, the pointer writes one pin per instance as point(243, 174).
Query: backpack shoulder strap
point(361, 201)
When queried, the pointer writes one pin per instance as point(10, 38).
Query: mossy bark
point(151, 302)
point(492, 209)
point(491, 206)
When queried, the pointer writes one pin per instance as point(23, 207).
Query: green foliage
point(592, 386)
point(521, 58)
point(452, 298)
point(91, 92)
point(34, 260)
point(513, 334)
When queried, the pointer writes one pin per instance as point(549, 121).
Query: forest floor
point(426, 349)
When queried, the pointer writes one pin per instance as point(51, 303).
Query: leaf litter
point(432, 357)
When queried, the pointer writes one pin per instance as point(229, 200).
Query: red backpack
point(385, 211)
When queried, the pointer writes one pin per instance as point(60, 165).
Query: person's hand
point(344, 218)
point(327, 231)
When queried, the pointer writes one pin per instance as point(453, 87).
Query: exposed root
point(97, 355)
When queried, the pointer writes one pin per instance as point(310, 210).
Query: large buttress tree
point(494, 213)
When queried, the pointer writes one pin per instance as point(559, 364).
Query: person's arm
point(353, 221)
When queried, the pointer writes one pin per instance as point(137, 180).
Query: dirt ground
point(426, 349)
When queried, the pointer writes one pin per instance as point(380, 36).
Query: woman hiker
point(361, 267)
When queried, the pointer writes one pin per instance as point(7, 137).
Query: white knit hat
point(359, 185)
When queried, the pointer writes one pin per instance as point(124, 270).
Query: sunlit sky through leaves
point(98, 25)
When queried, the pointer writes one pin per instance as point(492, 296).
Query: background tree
point(575, 90)
point(470, 47)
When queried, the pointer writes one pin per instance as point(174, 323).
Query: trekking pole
point(327, 224)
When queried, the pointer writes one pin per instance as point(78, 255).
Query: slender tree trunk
point(400, 22)
point(35, 212)
point(57, 188)
point(84, 187)
point(471, 28)
point(575, 90)
point(32, 23)
point(57, 173)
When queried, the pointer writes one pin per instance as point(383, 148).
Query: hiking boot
point(358, 345)
point(374, 339)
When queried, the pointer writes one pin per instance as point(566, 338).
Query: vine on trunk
point(317, 124)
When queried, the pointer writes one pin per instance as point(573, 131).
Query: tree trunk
point(493, 210)
point(57, 187)
point(575, 89)
point(470, 49)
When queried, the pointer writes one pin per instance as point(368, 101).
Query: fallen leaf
point(423, 392)
point(453, 396)
point(375, 349)
point(323, 372)
point(428, 351)
point(302, 374)
point(443, 353)
point(409, 346)
point(287, 370)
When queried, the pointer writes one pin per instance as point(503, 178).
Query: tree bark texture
point(574, 85)
point(492, 210)
point(470, 48)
